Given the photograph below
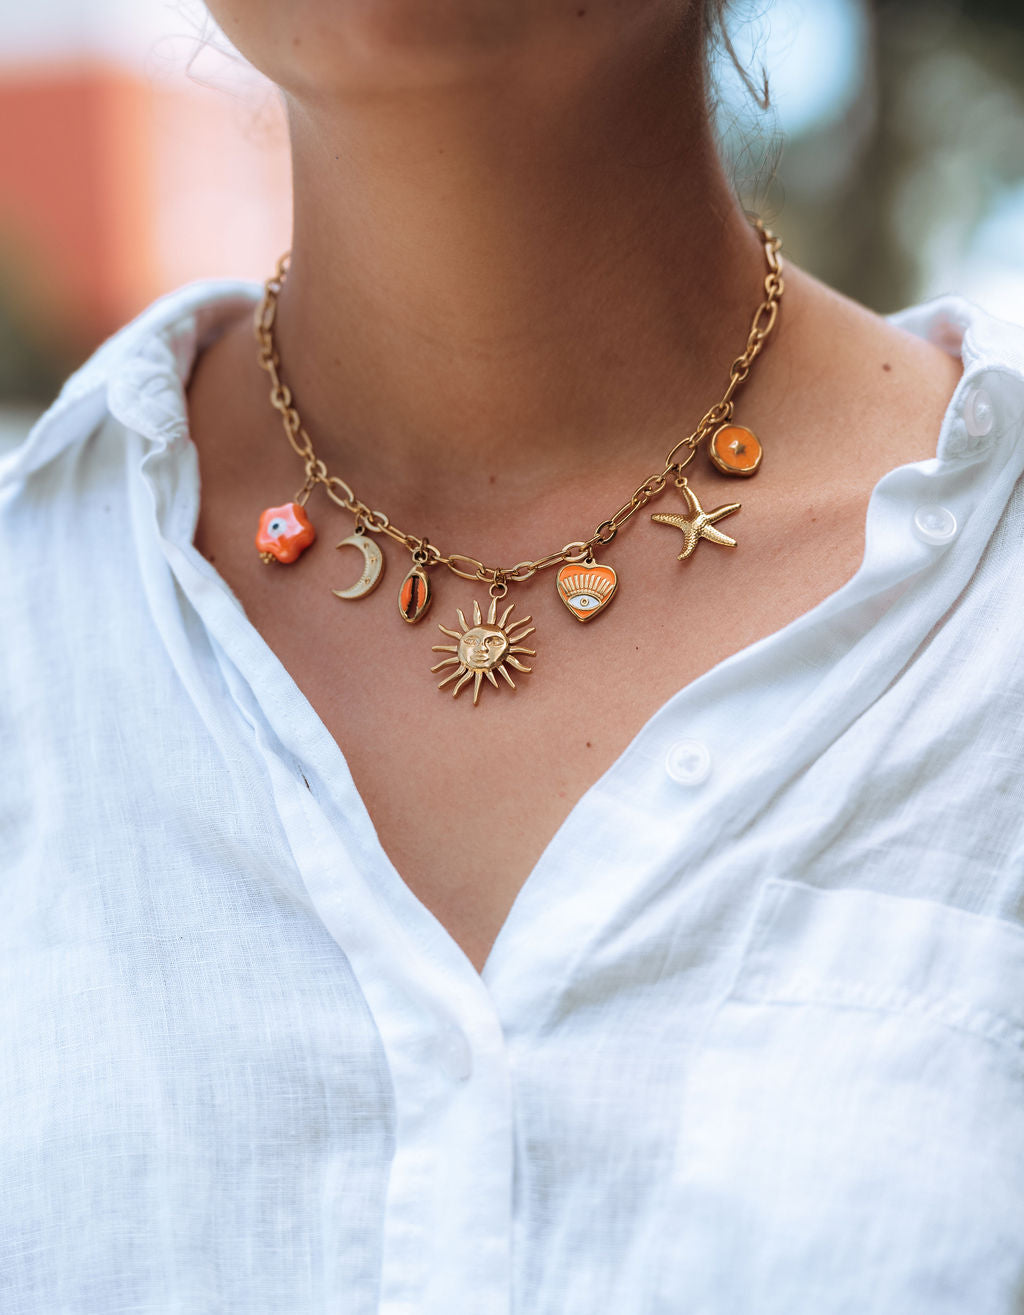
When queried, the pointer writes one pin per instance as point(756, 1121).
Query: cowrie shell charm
point(415, 595)
point(586, 588)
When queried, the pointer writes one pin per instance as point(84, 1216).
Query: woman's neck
point(523, 269)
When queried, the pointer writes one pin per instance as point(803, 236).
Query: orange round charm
point(735, 450)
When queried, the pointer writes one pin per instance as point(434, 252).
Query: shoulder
point(987, 411)
point(132, 374)
point(71, 500)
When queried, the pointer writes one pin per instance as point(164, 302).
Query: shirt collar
point(138, 375)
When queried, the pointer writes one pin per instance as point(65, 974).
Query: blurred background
point(891, 158)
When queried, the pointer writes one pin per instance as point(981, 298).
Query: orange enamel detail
point(586, 589)
point(735, 450)
point(414, 595)
point(285, 532)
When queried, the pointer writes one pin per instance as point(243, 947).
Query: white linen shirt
point(751, 1041)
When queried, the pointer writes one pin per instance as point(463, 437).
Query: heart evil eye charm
point(285, 533)
point(586, 589)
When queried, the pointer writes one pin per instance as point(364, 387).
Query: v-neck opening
point(312, 746)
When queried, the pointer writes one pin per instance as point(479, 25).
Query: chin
point(334, 46)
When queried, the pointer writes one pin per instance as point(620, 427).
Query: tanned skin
point(519, 275)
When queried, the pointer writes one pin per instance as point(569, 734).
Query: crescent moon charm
point(373, 566)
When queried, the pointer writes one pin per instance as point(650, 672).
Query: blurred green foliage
point(882, 201)
point(33, 360)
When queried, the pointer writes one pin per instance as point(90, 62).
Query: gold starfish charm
point(699, 524)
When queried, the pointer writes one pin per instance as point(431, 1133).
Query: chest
point(466, 797)
point(204, 1028)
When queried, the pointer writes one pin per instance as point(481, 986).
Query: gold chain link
point(341, 493)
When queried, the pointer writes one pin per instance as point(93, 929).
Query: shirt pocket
point(852, 1133)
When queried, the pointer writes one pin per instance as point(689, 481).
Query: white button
point(454, 1054)
point(688, 762)
point(935, 524)
point(979, 413)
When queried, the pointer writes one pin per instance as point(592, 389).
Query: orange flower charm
point(285, 533)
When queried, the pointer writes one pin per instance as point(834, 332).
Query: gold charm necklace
point(491, 645)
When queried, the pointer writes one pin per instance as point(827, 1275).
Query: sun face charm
point(483, 648)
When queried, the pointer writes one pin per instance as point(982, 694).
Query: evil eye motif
point(284, 533)
point(584, 602)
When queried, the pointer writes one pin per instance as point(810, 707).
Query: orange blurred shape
point(117, 188)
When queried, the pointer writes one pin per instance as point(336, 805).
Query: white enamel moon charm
point(373, 566)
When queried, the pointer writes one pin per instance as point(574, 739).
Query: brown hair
point(716, 37)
